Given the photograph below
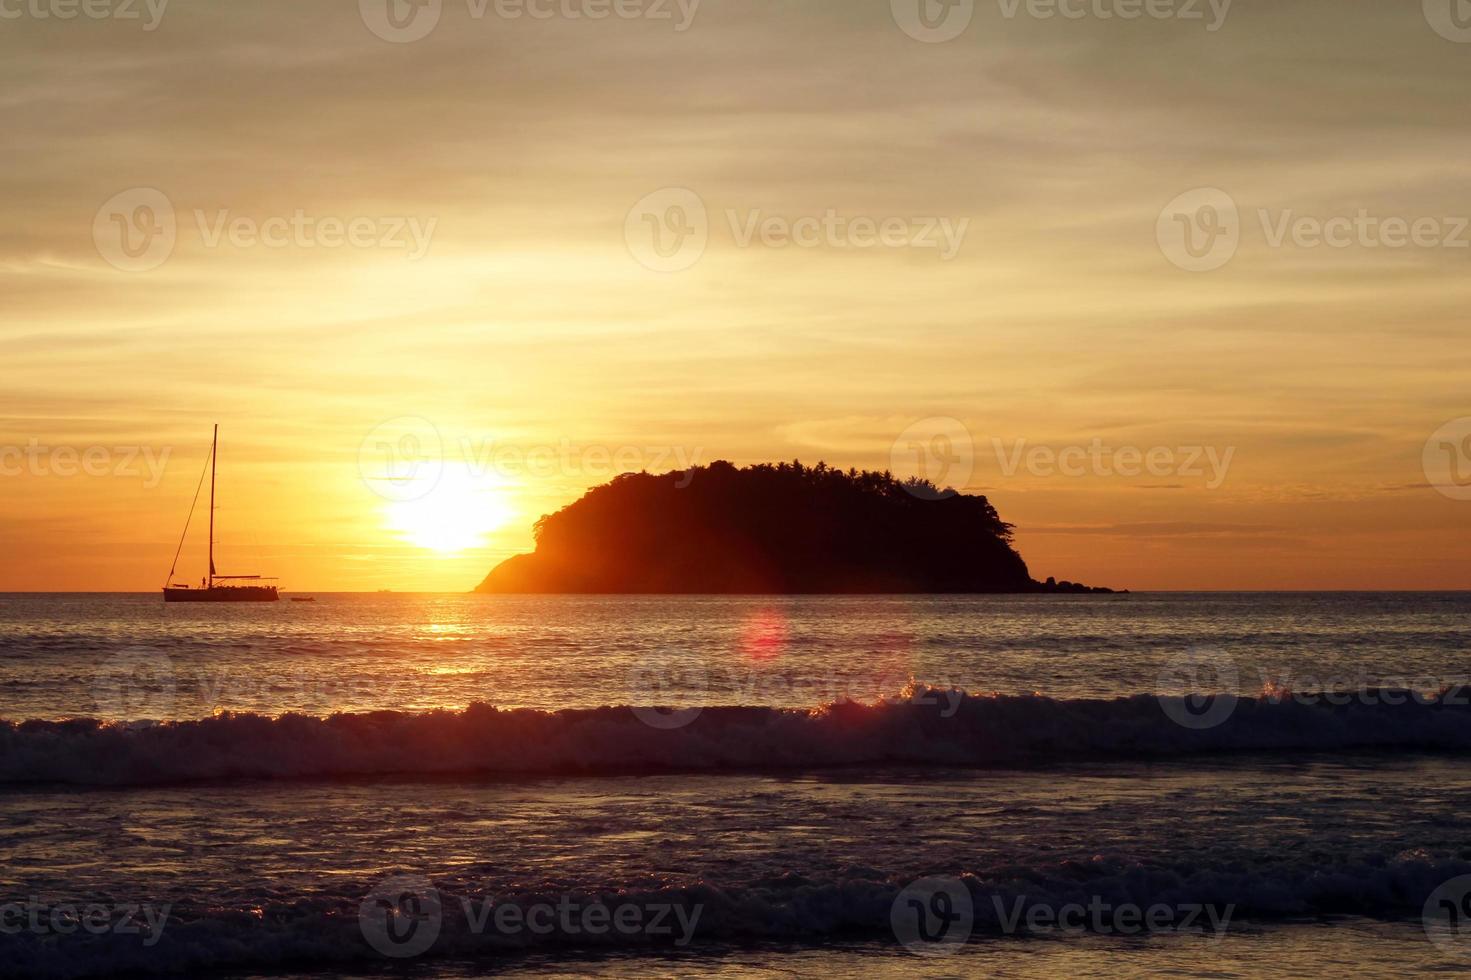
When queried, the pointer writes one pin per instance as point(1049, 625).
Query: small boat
point(214, 587)
point(308, 598)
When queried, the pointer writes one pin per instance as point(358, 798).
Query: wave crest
point(329, 931)
point(922, 726)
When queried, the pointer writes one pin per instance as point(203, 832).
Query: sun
point(453, 514)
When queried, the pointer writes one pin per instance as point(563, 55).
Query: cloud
point(1161, 529)
point(528, 141)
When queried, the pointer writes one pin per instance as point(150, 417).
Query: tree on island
point(782, 528)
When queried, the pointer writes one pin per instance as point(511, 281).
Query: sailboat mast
point(214, 460)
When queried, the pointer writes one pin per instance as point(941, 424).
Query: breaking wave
point(922, 726)
point(340, 928)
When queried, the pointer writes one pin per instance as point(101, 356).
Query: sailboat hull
point(224, 593)
point(208, 591)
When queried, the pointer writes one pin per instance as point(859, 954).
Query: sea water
point(931, 786)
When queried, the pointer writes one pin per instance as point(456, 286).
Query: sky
point(1185, 293)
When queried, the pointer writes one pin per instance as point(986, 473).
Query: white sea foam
point(325, 931)
point(920, 727)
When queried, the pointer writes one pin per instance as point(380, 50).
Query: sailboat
point(215, 588)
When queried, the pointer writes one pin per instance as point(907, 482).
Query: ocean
point(1217, 785)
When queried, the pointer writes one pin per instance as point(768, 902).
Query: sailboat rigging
point(214, 587)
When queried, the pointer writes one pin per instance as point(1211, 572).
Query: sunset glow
point(499, 290)
point(765, 488)
point(449, 515)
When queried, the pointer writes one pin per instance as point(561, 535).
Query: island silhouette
point(780, 528)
